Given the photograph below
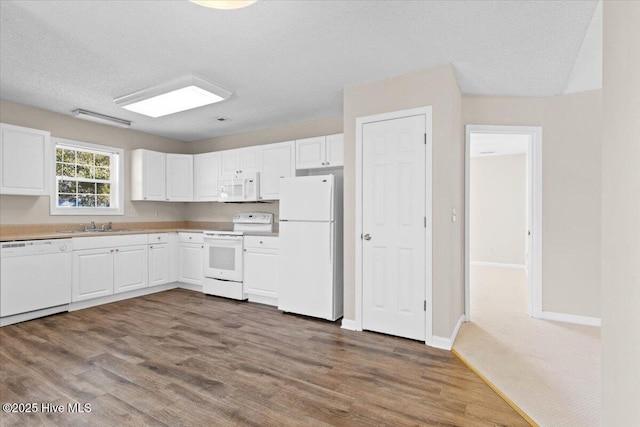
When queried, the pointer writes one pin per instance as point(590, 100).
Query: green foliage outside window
point(83, 177)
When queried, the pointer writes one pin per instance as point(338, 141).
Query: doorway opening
point(503, 219)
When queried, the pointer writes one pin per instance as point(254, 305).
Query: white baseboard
point(22, 317)
point(79, 305)
point(570, 318)
point(497, 264)
point(349, 324)
point(447, 343)
point(190, 286)
point(261, 299)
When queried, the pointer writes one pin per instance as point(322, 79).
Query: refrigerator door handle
point(330, 246)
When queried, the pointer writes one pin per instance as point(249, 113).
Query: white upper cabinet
point(179, 170)
point(160, 176)
point(148, 178)
point(25, 160)
point(310, 153)
point(251, 159)
point(335, 150)
point(206, 171)
point(277, 162)
point(241, 160)
point(230, 162)
point(320, 152)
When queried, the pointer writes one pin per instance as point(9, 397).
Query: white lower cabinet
point(190, 258)
point(160, 259)
point(130, 268)
point(92, 274)
point(261, 269)
point(105, 266)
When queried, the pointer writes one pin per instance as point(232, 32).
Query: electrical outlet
point(453, 215)
point(130, 213)
point(157, 213)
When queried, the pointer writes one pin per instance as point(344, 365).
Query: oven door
point(223, 257)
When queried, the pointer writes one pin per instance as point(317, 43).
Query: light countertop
point(52, 231)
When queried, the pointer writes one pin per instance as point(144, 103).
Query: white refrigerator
point(310, 256)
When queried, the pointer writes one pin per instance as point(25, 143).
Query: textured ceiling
point(285, 61)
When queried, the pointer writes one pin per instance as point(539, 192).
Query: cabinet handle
point(111, 250)
point(151, 247)
point(327, 163)
point(117, 250)
point(261, 242)
point(190, 237)
point(158, 237)
point(145, 197)
point(202, 247)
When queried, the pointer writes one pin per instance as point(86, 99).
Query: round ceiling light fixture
point(224, 4)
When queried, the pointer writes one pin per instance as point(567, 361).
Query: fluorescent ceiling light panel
point(183, 93)
point(224, 4)
point(100, 118)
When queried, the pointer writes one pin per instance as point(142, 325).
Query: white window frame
point(117, 188)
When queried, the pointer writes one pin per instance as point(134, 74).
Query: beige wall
point(436, 87)
point(35, 210)
point(223, 212)
point(301, 130)
point(497, 215)
point(571, 204)
point(621, 216)
point(571, 189)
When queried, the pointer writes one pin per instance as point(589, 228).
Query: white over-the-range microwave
point(241, 187)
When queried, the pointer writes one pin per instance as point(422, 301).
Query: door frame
point(360, 122)
point(534, 171)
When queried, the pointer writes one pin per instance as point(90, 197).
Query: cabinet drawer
point(80, 243)
point(266, 242)
point(158, 238)
point(191, 237)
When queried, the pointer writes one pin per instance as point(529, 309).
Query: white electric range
point(223, 269)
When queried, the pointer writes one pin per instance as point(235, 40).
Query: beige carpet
point(551, 370)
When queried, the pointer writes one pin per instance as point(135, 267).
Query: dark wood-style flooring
point(181, 358)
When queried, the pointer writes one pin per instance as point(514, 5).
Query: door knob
point(367, 236)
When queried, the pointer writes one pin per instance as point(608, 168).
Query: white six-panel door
point(393, 225)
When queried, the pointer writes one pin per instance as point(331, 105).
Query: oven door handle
point(213, 239)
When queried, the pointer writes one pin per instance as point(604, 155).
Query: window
point(88, 179)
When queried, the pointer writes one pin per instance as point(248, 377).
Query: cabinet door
point(335, 150)
point(153, 181)
point(92, 274)
point(25, 160)
point(179, 177)
point(261, 272)
point(230, 162)
point(310, 153)
point(158, 264)
point(190, 267)
point(130, 268)
point(277, 162)
point(250, 159)
point(206, 171)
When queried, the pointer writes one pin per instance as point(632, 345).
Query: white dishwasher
point(34, 275)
